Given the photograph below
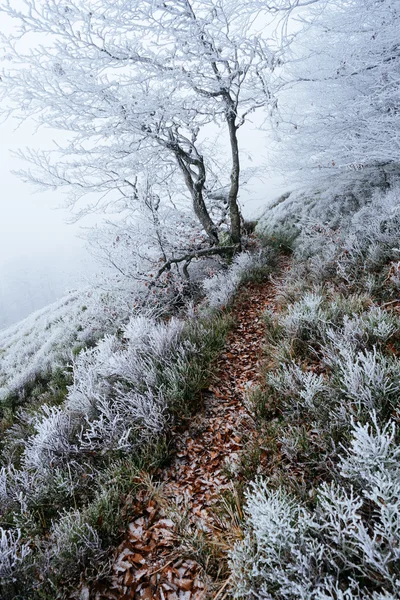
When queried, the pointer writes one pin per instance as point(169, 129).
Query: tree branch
point(198, 254)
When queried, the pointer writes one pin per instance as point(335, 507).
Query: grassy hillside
point(310, 502)
point(83, 418)
point(322, 515)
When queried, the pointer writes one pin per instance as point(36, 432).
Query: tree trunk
point(236, 235)
point(195, 184)
point(202, 214)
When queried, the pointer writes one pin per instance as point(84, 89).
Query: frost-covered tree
point(136, 84)
point(340, 112)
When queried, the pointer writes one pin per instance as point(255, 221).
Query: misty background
point(41, 255)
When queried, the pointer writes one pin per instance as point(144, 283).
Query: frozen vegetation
point(323, 522)
point(92, 386)
point(47, 339)
point(114, 386)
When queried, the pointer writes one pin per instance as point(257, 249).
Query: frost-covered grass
point(348, 232)
point(119, 406)
point(69, 462)
point(346, 546)
point(322, 510)
point(45, 340)
point(221, 288)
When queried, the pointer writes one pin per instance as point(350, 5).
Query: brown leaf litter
point(158, 557)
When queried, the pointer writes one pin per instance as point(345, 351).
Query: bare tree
point(138, 85)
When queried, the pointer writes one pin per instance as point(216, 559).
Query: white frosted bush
point(377, 224)
point(347, 547)
point(116, 403)
point(221, 288)
point(52, 443)
point(19, 485)
point(379, 324)
point(370, 235)
point(303, 390)
point(373, 455)
point(292, 441)
point(73, 543)
point(278, 553)
point(304, 317)
point(368, 379)
point(151, 337)
point(150, 344)
point(124, 421)
point(375, 326)
point(12, 554)
point(372, 326)
point(372, 467)
point(332, 591)
point(88, 385)
point(117, 417)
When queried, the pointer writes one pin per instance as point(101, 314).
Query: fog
point(41, 256)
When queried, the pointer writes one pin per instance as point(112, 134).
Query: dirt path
point(164, 554)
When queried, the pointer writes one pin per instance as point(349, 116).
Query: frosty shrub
point(277, 553)
point(12, 555)
point(150, 344)
point(88, 386)
point(371, 327)
point(344, 230)
point(147, 345)
point(52, 443)
point(221, 288)
point(347, 547)
point(304, 318)
point(350, 335)
point(18, 486)
point(367, 379)
point(74, 545)
point(115, 402)
point(369, 237)
point(124, 422)
point(377, 227)
point(303, 391)
point(373, 455)
point(117, 385)
point(125, 392)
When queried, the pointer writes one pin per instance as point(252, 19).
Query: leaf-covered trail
point(158, 557)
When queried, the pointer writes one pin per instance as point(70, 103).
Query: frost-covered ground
point(47, 338)
point(322, 522)
point(89, 393)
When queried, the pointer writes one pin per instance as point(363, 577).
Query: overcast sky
point(40, 255)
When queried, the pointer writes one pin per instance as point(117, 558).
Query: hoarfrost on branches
point(137, 85)
point(12, 553)
point(340, 107)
